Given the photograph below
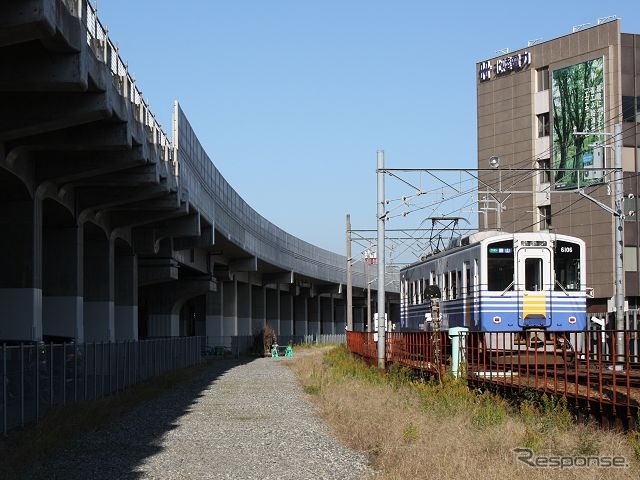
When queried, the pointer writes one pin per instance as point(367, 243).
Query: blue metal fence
point(39, 377)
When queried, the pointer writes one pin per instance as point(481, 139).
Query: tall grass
point(413, 428)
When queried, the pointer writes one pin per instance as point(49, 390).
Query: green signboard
point(578, 106)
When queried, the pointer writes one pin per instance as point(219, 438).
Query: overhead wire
point(536, 157)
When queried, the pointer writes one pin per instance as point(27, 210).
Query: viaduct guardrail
point(200, 180)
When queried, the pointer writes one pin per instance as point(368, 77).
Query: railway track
point(590, 380)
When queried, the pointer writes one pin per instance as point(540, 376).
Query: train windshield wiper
point(563, 289)
point(508, 288)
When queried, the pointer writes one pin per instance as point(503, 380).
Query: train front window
point(500, 266)
point(533, 274)
point(566, 258)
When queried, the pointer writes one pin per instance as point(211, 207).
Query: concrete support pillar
point(314, 316)
point(286, 313)
point(327, 315)
point(21, 279)
point(244, 301)
point(300, 315)
point(271, 308)
point(98, 288)
point(332, 318)
point(230, 309)
point(358, 319)
point(126, 297)
point(277, 326)
point(63, 282)
point(340, 318)
point(214, 317)
point(258, 308)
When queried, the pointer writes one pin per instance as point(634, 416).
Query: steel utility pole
point(349, 286)
point(380, 260)
point(366, 269)
point(618, 215)
point(619, 243)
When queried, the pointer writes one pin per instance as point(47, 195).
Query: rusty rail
point(576, 365)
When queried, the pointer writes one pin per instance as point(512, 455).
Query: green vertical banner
point(578, 106)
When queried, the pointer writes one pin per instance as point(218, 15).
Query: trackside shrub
point(490, 411)
point(410, 433)
point(343, 364)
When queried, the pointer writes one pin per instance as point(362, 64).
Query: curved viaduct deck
point(111, 229)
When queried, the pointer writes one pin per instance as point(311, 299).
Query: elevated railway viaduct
point(112, 230)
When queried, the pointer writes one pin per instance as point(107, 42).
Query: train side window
point(533, 274)
point(467, 278)
point(446, 286)
point(500, 266)
point(460, 286)
point(566, 259)
point(454, 285)
point(476, 273)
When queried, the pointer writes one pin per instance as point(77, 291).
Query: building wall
point(630, 86)
point(508, 106)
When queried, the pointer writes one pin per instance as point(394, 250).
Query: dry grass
point(412, 429)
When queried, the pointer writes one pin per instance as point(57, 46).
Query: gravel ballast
point(234, 421)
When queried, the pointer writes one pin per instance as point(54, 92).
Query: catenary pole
point(380, 259)
point(619, 239)
point(366, 271)
point(349, 286)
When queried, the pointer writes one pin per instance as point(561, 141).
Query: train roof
point(463, 242)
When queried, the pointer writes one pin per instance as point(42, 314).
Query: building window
point(542, 77)
point(630, 259)
point(545, 217)
point(543, 125)
point(628, 109)
point(544, 166)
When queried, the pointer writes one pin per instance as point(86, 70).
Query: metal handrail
point(107, 52)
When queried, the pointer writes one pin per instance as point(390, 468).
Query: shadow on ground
point(116, 450)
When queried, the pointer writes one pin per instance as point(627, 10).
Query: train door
point(533, 282)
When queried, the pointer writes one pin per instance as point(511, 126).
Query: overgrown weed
point(445, 430)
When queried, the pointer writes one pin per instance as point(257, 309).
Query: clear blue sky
point(292, 98)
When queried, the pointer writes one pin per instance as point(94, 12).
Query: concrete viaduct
point(113, 231)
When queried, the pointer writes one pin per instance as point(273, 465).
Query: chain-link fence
point(38, 377)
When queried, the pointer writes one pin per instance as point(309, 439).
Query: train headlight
point(497, 319)
point(572, 320)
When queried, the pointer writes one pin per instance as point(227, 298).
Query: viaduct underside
point(112, 231)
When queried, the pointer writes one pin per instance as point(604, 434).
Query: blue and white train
point(500, 282)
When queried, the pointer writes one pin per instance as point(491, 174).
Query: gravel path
point(235, 421)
